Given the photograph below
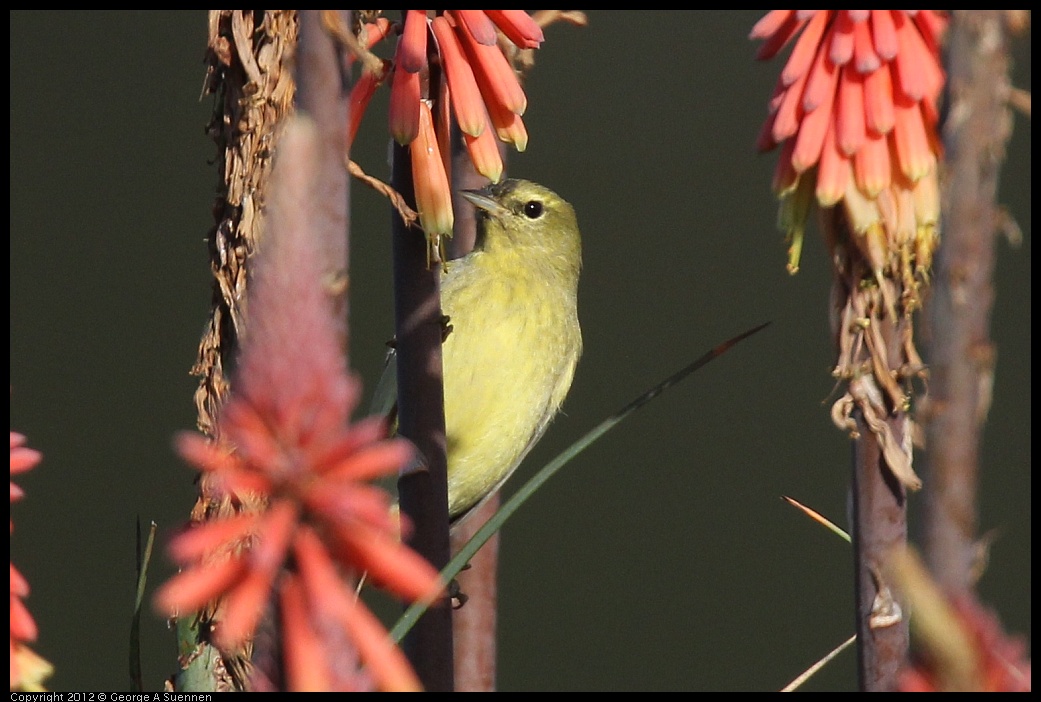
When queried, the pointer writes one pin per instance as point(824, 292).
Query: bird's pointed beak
point(482, 200)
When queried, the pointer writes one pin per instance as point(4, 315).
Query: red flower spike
point(411, 55)
point(478, 25)
point(518, 26)
point(466, 96)
point(857, 100)
point(286, 437)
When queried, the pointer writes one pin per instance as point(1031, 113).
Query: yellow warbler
point(510, 356)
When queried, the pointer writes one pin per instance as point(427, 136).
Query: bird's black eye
point(533, 209)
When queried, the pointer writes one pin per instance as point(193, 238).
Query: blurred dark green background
point(663, 557)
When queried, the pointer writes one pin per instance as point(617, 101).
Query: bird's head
point(529, 220)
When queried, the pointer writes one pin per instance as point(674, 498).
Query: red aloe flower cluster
point(27, 669)
point(855, 112)
point(286, 444)
point(479, 84)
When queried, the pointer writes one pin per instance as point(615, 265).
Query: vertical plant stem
point(421, 418)
point(473, 624)
point(879, 524)
point(961, 355)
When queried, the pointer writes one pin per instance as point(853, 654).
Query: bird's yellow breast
point(508, 363)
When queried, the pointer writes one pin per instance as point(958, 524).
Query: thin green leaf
point(459, 561)
point(135, 621)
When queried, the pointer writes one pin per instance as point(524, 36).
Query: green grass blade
point(135, 622)
point(459, 561)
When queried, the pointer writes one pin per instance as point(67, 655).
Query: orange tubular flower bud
point(508, 126)
point(777, 27)
point(789, 111)
point(433, 197)
point(518, 26)
point(412, 49)
point(404, 106)
point(484, 153)
point(466, 97)
point(477, 23)
point(884, 33)
point(493, 72)
point(850, 112)
point(912, 144)
point(815, 124)
point(805, 51)
point(871, 165)
point(361, 94)
point(834, 172)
